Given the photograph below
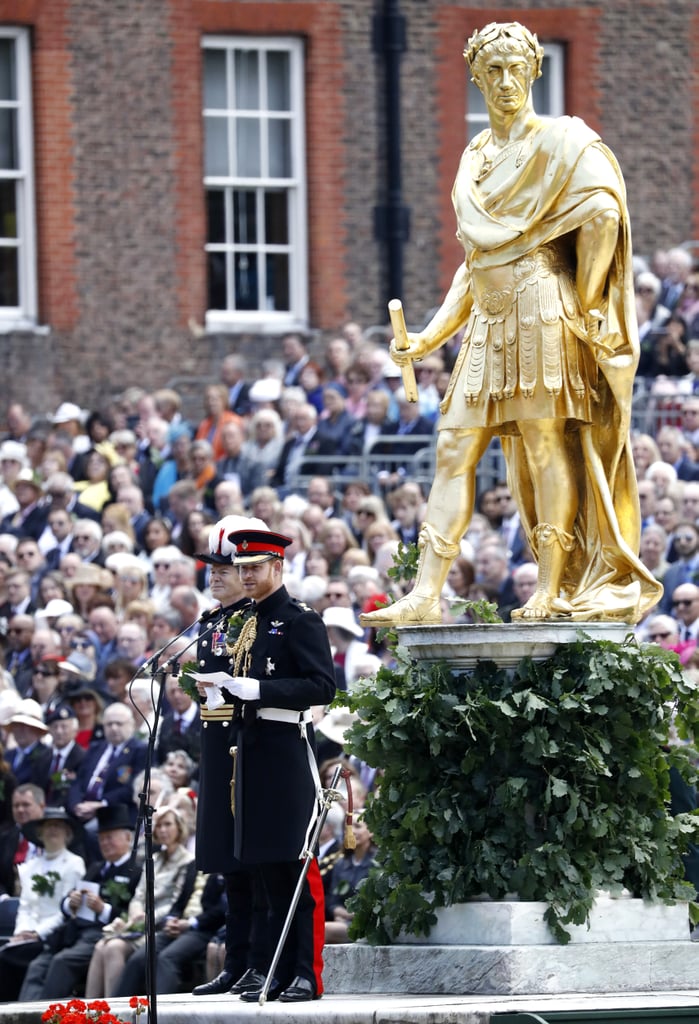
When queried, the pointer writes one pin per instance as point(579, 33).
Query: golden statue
point(545, 298)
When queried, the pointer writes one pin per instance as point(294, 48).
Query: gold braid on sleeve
point(241, 649)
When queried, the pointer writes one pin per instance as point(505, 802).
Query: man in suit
point(302, 444)
point(376, 422)
point(30, 518)
point(180, 727)
point(18, 585)
point(233, 371)
point(60, 490)
point(28, 804)
point(58, 969)
point(276, 677)
point(685, 569)
point(105, 777)
point(57, 537)
point(296, 357)
point(30, 759)
point(66, 754)
point(87, 541)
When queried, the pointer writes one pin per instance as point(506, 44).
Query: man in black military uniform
point(282, 667)
point(247, 955)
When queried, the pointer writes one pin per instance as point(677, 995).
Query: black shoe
point(217, 986)
point(251, 981)
point(252, 995)
point(301, 990)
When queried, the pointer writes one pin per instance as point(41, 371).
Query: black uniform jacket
point(215, 839)
point(275, 791)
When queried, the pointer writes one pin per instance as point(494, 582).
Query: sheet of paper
point(211, 678)
point(83, 910)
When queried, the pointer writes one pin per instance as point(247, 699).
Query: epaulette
point(301, 604)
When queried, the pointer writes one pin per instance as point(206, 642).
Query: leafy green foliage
point(45, 885)
point(404, 570)
point(550, 781)
point(185, 680)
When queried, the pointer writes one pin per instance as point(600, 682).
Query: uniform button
point(205, 643)
point(202, 661)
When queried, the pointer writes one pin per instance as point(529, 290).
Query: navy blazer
point(118, 779)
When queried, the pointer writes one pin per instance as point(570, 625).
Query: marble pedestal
point(521, 923)
point(505, 643)
point(505, 947)
point(595, 967)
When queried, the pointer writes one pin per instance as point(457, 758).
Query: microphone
point(153, 659)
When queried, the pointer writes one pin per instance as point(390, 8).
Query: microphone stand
point(145, 809)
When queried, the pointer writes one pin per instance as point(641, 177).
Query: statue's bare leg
point(555, 504)
point(449, 510)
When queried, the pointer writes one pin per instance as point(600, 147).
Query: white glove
point(244, 688)
point(214, 697)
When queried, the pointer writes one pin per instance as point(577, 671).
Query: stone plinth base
point(505, 922)
point(602, 967)
point(505, 643)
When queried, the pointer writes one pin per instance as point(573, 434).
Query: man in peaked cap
point(66, 754)
point(280, 669)
point(246, 955)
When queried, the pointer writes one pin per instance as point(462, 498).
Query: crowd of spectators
point(102, 515)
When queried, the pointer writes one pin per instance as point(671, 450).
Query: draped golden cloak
point(532, 198)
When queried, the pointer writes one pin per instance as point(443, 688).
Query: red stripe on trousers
point(315, 884)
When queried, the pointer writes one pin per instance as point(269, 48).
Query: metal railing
point(390, 459)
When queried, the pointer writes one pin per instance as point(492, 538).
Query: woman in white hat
point(44, 880)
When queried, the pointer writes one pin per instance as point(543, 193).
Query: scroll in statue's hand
point(402, 356)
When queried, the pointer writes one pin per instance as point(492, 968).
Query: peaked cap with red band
point(258, 545)
point(221, 551)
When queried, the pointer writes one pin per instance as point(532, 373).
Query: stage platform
point(405, 1009)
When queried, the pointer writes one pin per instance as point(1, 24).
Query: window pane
point(247, 131)
point(278, 281)
point(278, 81)
point(541, 90)
point(217, 280)
point(8, 140)
point(9, 289)
point(476, 103)
point(247, 80)
point(216, 146)
point(276, 218)
point(215, 79)
point(215, 215)
point(246, 280)
point(244, 217)
point(279, 149)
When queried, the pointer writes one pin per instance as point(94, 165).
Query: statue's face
point(505, 79)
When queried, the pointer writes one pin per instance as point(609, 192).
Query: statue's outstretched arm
point(447, 321)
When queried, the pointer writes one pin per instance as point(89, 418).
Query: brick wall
point(120, 212)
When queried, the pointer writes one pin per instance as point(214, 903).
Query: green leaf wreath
point(186, 680)
point(45, 885)
point(550, 781)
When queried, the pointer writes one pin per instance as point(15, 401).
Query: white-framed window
point(255, 182)
point(547, 92)
point(18, 287)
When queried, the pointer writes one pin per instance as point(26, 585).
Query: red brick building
point(184, 178)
